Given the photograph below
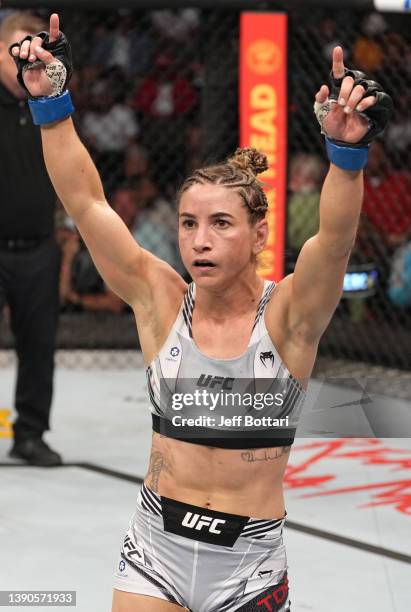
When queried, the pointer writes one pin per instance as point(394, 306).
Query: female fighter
point(207, 531)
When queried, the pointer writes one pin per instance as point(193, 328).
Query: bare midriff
point(247, 482)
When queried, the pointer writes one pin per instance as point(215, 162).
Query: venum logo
point(267, 356)
point(207, 380)
point(198, 521)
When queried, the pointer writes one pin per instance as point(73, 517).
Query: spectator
point(161, 98)
point(328, 37)
point(109, 127)
point(81, 285)
point(101, 45)
point(136, 162)
point(178, 25)
point(155, 228)
point(306, 176)
point(399, 290)
point(152, 221)
point(81, 87)
point(124, 202)
point(120, 52)
point(29, 254)
point(387, 197)
point(165, 93)
point(128, 46)
point(398, 134)
point(396, 52)
point(368, 51)
point(194, 142)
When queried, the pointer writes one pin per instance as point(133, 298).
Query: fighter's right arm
point(123, 264)
point(128, 270)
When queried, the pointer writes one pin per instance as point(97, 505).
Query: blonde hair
point(20, 20)
point(238, 172)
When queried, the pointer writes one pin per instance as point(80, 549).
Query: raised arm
point(119, 259)
point(124, 265)
point(357, 116)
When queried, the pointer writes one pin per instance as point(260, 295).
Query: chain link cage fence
point(156, 93)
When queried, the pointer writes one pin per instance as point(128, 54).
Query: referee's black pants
point(29, 284)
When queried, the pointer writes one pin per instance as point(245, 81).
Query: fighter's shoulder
point(276, 315)
point(156, 314)
point(165, 287)
point(281, 294)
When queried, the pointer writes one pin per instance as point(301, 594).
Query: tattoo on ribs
point(157, 465)
point(263, 454)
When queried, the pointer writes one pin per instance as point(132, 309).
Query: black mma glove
point(59, 72)
point(349, 155)
point(377, 115)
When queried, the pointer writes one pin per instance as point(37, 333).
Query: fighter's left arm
point(351, 116)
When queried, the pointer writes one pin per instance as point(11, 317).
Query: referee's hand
point(35, 79)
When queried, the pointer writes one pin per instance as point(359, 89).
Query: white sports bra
point(202, 400)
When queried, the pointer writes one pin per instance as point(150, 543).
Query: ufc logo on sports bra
point(207, 380)
point(198, 521)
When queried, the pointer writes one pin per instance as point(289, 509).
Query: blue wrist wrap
point(347, 158)
point(49, 110)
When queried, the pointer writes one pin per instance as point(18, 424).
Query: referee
point(29, 255)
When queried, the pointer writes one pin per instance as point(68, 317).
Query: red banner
point(263, 119)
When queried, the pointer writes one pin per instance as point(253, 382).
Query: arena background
point(348, 499)
point(143, 152)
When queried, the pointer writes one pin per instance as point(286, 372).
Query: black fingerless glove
point(60, 49)
point(377, 115)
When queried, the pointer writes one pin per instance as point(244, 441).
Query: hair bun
point(250, 159)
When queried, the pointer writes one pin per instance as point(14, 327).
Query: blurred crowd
point(384, 234)
point(138, 88)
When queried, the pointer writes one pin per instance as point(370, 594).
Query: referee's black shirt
point(27, 198)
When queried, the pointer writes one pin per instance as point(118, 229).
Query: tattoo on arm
point(157, 465)
point(265, 454)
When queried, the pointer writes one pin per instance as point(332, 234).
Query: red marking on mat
point(372, 452)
